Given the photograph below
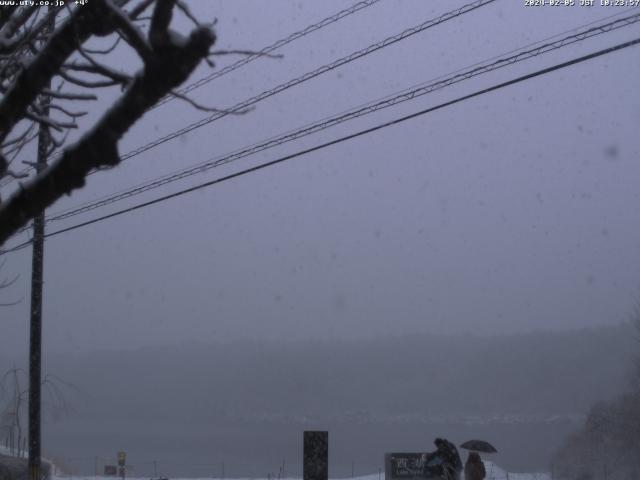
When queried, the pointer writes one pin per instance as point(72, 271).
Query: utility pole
point(35, 334)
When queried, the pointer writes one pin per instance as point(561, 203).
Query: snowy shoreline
point(494, 472)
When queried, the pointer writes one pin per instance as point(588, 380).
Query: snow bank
point(493, 473)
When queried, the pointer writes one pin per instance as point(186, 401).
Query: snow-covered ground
point(493, 473)
point(497, 473)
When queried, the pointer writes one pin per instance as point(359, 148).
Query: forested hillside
point(536, 373)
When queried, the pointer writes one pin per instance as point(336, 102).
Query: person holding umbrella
point(474, 467)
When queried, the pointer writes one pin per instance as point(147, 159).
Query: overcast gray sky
point(514, 211)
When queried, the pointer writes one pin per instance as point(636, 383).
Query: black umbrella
point(479, 446)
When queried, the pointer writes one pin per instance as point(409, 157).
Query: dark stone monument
point(316, 455)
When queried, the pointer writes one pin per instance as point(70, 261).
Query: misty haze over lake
point(469, 272)
point(192, 407)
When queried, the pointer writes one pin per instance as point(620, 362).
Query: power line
point(244, 61)
point(360, 133)
point(409, 94)
point(209, 164)
point(312, 74)
point(270, 48)
point(242, 106)
point(387, 102)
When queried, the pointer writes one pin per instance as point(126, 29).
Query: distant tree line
point(13, 406)
point(535, 373)
point(608, 445)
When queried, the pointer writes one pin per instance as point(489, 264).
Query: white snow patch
point(493, 473)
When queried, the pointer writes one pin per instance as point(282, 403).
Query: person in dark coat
point(451, 465)
point(474, 468)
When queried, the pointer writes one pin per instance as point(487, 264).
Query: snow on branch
point(69, 95)
point(8, 33)
point(130, 32)
point(167, 63)
point(37, 74)
point(159, 35)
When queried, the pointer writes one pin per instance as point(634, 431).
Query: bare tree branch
point(39, 72)
point(187, 13)
point(5, 283)
point(99, 68)
point(140, 9)
point(16, 147)
point(165, 70)
point(69, 95)
point(11, 304)
point(198, 106)
point(19, 138)
point(49, 122)
point(8, 39)
point(57, 143)
point(131, 33)
point(16, 175)
point(6, 11)
point(87, 83)
point(245, 52)
point(67, 112)
point(159, 29)
point(104, 51)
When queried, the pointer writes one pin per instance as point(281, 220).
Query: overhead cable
point(360, 133)
point(270, 48)
point(324, 124)
point(242, 106)
point(242, 62)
